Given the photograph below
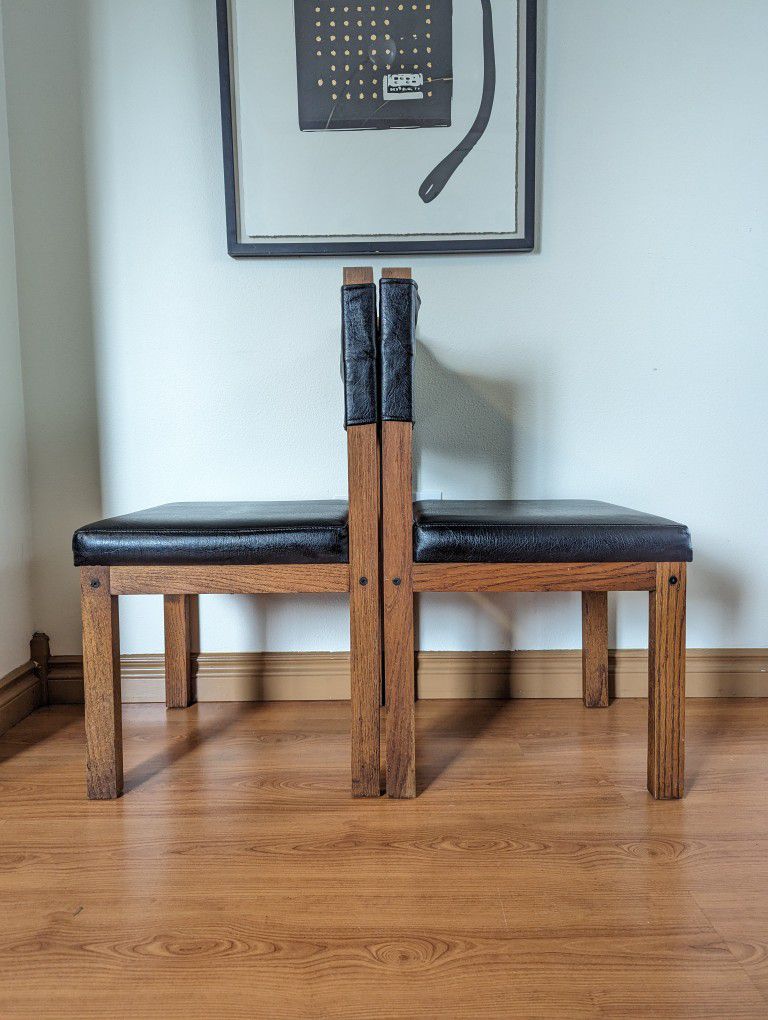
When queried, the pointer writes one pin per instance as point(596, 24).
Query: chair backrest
point(358, 348)
point(398, 311)
point(361, 417)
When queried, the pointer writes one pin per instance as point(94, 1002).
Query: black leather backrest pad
point(398, 310)
point(358, 353)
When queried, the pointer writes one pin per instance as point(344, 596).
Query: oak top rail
point(270, 579)
point(476, 577)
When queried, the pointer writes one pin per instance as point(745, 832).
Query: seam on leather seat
point(218, 531)
point(540, 524)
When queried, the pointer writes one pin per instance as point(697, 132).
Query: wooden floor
point(532, 877)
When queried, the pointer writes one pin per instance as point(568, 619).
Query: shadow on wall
point(464, 447)
point(486, 438)
point(464, 421)
point(719, 591)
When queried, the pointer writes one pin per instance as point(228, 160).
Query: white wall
point(625, 361)
point(42, 46)
point(15, 589)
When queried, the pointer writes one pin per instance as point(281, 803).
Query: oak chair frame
point(402, 579)
point(180, 585)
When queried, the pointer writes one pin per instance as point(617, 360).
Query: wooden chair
point(518, 545)
point(181, 550)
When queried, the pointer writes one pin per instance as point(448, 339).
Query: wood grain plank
point(177, 612)
point(534, 576)
point(742, 921)
point(666, 682)
point(273, 579)
point(531, 879)
point(101, 675)
point(594, 648)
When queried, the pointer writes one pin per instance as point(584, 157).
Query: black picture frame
point(275, 249)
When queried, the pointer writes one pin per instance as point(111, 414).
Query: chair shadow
point(464, 425)
point(461, 722)
point(716, 584)
point(710, 744)
point(465, 430)
point(19, 739)
point(179, 748)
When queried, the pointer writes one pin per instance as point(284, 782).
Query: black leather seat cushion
point(218, 534)
point(543, 531)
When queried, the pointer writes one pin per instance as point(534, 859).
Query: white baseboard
point(324, 676)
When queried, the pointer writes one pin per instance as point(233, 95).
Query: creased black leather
point(358, 352)
point(543, 531)
point(223, 534)
point(398, 311)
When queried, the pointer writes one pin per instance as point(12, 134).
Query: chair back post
point(397, 538)
point(364, 484)
point(397, 468)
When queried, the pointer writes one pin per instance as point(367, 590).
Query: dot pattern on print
point(374, 65)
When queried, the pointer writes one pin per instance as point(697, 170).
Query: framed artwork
point(378, 128)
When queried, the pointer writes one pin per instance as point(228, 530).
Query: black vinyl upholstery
point(219, 534)
point(543, 531)
point(358, 353)
point(398, 310)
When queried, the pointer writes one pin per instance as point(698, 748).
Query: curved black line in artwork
point(446, 168)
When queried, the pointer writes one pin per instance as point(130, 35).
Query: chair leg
point(400, 689)
point(666, 683)
point(101, 673)
point(365, 690)
point(594, 648)
point(399, 666)
point(178, 650)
